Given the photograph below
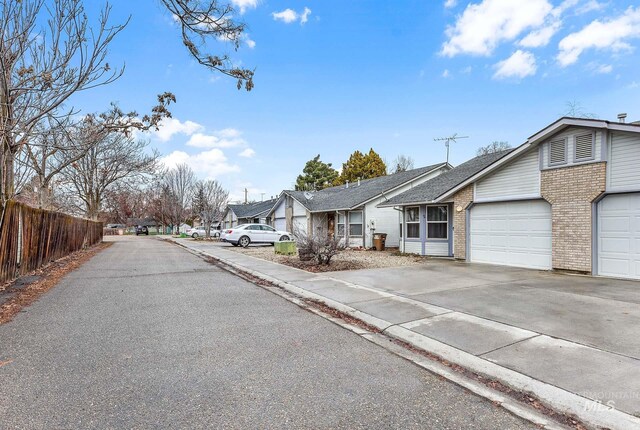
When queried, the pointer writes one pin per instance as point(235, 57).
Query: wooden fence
point(31, 238)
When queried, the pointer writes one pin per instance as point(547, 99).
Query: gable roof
point(542, 136)
point(353, 196)
point(252, 210)
point(430, 190)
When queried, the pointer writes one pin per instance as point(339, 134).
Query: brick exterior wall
point(462, 198)
point(571, 190)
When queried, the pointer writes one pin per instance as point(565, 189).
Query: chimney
point(622, 117)
point(347, 185)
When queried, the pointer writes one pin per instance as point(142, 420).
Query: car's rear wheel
point(194, 235)
point(244, 241)
point(284, 237)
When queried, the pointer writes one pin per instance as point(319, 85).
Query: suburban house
point(566, 199)
point(257, 212)
point(351, 211)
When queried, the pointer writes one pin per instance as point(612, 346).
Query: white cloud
point(243, 5)
point(520, 65)
point(450, 3)
point(591, 6)
point(446, 73)
point(208, 164)
point(304, 17)
point(170, 126)
point(603, 69)
point(250, 43)
point(289, 15)
point(613, 35)
point(483, 26)
point(467, 70)
point(541, 36)
point(247, 153)
point(227, 138)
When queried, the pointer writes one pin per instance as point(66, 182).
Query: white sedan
point(245, 234)
point(199, 232)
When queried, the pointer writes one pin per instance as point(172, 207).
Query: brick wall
point(461, 199)
point(571, 190)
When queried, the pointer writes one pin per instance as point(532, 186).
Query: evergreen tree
point(316, 175)
point(361, 166)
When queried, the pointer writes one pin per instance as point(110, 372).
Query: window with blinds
point(584, 147)
point(558, 151)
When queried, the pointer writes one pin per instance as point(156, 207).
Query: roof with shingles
point(433, 188)
point(252, 210)
point(353, 196)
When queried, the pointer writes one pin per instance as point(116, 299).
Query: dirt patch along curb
point(22, 292)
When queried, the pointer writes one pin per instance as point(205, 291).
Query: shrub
point(318, 246)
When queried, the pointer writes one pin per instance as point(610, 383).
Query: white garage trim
point(618, 236)
point(514, 233)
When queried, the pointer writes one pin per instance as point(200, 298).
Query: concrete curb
point(586, 410)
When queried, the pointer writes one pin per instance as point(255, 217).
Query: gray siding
point(623, 169)
point(520, 178)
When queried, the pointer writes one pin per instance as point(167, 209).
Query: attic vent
point(558, 151)
point(584, 147)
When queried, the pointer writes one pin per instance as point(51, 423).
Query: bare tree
point(112, 160)
point(574, 109)
point(211, 20)
point(493, 147)
point(41, 68)
point(178, 185)
point(209, 201)
point(402, 163)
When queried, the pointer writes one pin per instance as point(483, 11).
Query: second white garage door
point(511, 234)
point(619, 236)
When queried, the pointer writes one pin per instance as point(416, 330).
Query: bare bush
point(317, 245)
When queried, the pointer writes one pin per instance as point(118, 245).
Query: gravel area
point(345, 260)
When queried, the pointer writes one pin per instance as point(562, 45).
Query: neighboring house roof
point(430, 190)
point(355, 195)
point(253, 210)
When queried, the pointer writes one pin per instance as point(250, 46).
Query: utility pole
point(448, 140)
point(245, 196)
point(262, 197)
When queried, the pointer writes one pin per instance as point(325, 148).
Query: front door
point(331, 223)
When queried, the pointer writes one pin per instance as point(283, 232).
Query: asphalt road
point(146, 335)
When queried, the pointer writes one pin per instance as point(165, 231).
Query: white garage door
point(512, 234)
point(619, 236)
point(280, 224)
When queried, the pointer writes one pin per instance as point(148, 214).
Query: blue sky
point(336, 76)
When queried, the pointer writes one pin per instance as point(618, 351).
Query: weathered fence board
point(31, 238)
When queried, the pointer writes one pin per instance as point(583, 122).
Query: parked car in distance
point(142, 229)
point(246, 234)
point(200, 232)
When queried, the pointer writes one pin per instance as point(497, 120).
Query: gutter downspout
point(401, 210)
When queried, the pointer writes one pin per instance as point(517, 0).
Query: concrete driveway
point(566, 323)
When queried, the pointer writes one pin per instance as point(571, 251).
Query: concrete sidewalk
point(573, 342)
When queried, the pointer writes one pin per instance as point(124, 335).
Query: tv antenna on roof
point(448, 140)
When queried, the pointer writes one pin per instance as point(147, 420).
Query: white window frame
point(361, 223)
point(412, 222)
point(343, 224)
point(446, 223)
